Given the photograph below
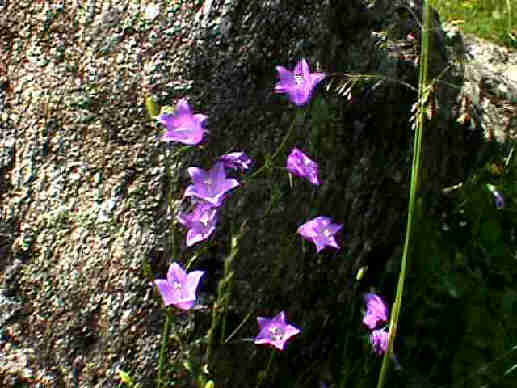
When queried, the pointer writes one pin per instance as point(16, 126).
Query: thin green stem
point(268, 163)
point(163, 348)
point(168, 161)
point(224, 290)
point(264, 375)
point(412, 214)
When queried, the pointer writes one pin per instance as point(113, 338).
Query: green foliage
point(462, 289)
point(493, 20)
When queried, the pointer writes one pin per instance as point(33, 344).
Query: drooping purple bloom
point(299, 83)
point(183, 126)
point(320, 231)
point(210, 186)
point(301, 165)
point(499, 199)
point(275, 331)
point(236, 160)
point(200, 222)
point(179, 289)
point(377, 312)
point(379, 340)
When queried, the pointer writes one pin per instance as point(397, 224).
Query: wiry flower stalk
point(412, 213)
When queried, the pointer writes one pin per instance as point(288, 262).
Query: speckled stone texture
point(84, 188)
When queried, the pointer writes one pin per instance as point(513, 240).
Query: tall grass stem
point(414, 188)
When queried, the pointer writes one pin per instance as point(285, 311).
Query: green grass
point(493, 20)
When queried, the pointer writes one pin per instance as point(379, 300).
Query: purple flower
point(275, 331)
point(376, 311)
point(499, 199)
point(301, 165)
point(298, 84)
point(320, 231)
point(200, 222)
point(179, 289)
point(236, 160)
point(183, 126)
point(210, 186)
point(379, 340)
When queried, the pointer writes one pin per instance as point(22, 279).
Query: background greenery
point(458, 321)
point(494, 20)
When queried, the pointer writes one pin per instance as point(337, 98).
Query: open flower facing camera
point(179, 289)
point(275, 331)
point(299, 83)
point(183, 126)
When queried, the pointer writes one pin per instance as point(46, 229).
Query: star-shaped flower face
point(301, 165)
point(183, 126)
point(299, 83)
point(179, 289)
point(275, 331)
point(200, 223)
point(236, 160)
point(210, 186)
point(376, 311)
point(320, 231)
point(379, 340)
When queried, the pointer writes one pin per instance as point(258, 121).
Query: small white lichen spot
point(152, 11)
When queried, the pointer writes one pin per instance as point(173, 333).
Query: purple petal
point(183, 108)
point(176, 273)
point(165, 291)
point(379, 340)
point(192, 282)
point(302, 67)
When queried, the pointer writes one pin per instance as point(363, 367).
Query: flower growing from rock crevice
point(210, 186)
point(275, 331)
point(301, 165)
point(179, 289)
point(182, 125)
point(299, 83)
point(200, 222)
point(320, 231)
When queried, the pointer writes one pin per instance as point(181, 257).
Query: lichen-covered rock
point(85, 190)
point(489, 89)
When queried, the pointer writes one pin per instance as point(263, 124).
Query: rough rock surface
point(84, 188)
point(489, 90)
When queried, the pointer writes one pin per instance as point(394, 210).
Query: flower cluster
point(210, 188)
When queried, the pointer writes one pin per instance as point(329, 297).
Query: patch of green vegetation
point(493, 20)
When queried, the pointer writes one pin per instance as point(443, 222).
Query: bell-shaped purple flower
point(236, 160)
point(301, 165)
point(379, 340)
point(299, 83)
point(210, 186)
point(320, 231)
point(377, 311)
point(179, 289)
point(200, 222)
point(183, 126)
point(275, 331)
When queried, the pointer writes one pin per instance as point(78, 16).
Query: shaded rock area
point(84, 186)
